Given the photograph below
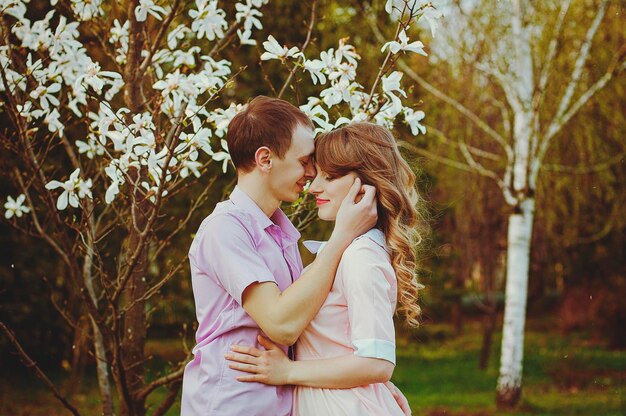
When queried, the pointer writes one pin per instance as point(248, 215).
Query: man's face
point(289, 175)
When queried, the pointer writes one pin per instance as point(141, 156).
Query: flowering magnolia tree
point(104, 133)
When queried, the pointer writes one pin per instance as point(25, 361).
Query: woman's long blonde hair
point(372, 153)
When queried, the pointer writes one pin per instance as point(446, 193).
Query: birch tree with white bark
point(110, 110)
point(517, 46)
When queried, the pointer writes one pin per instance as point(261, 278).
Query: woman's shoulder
point(374, 239)
point(367, 249)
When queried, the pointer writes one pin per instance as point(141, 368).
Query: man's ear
point(263, 158)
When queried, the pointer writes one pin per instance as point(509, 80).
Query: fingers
point(248, 368)
point(369, 193)
point(258, 378)
point(354, 190)
point(266, 343)
point(242, 358)
point(255, 352)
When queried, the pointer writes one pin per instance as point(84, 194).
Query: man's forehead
point(304, 141)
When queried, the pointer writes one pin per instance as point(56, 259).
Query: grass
point(563, 375)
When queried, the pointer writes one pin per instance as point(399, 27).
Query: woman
point(347, 353)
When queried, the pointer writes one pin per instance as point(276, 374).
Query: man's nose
point(310, 172)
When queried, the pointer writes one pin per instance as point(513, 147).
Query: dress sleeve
point(227, 249)
point(370, 290)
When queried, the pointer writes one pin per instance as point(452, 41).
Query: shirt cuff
point(375, 348)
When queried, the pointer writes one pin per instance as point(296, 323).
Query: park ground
point(564, 374)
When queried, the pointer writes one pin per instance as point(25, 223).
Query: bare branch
point(432, 156)
point(550, 55)
point(582, 170)
point(169, 399)
point(164, 26)
point(224, 41)
point(558, 123)
point(172, 377)
point(474, 150)
point(580, 61)
point(28, 362)
point(302, 48)
point(459, 107)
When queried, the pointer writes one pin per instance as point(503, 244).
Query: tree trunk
point(134, 319)
point(135, 322)
point(102, 364)
point(518, 258)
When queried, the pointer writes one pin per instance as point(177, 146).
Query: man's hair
point(264, 122)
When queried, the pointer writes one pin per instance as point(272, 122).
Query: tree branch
point(28, 362)
point(302, 48)
point(164, 26)
point(580, 61)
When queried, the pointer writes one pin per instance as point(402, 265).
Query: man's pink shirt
point(234, 247)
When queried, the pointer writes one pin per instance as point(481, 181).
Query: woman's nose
point(314, 187)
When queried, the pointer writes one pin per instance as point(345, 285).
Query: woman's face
point(329, 192)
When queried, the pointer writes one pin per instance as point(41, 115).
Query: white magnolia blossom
point(116, 171)
point(391, 85)
point(222, 117)
point(316, 68)
point(249, 14)
point(176, 35)
point(190, 167)
point(65, 37)
point(413, 119)
point(45, 95)
point(273, 50)
point(74, 189)
point(35, 35)
point(222, 156)
point(60, 73)
point(87, 9)
point(91, 147)
point(403, 45)
point(148, 6)
point(432, 15)
point(15, 8)
point(95, 78)
point(186, 58)
point(15, 207)
point(208, 20)
point(395, 8)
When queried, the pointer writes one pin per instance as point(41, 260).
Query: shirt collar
point(278, 218)
point(374, 234)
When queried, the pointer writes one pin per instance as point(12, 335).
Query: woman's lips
point(322, 201)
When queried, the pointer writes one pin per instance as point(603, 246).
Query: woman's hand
point(268, 367)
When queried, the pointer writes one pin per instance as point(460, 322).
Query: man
point(245, 262)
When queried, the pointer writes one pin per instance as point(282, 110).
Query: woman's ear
point(263, 158)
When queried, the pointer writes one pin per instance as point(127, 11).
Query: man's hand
point(397, 394)
point(357, 213)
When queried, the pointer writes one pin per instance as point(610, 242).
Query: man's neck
point(259, 193)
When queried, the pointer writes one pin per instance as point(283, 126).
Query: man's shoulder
point(228, 218)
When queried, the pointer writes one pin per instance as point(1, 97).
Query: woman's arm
point(273, 367)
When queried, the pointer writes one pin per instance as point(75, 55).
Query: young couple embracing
point(275, 339)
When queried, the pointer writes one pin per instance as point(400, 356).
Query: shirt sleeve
point(227, 250)
point(369, 285)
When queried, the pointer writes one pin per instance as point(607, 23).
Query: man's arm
point(283, 315)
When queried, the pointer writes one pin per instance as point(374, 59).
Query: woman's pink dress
point(356, 318)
